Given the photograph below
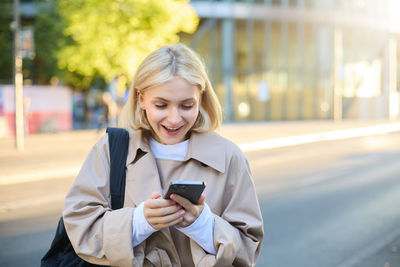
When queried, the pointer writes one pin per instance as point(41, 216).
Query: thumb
point(201, 199)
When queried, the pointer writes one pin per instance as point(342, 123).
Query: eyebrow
point(165, 100)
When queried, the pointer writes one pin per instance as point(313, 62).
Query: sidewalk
point(50, 156)
point(387, 256)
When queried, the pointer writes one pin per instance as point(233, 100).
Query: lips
point(172, 130)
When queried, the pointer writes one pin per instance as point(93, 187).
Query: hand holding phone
point(161, 213)
point(191, 190)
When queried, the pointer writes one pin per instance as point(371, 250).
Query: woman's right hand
point(161, 213)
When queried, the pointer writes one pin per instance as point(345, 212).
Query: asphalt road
point(331, 203)
point(334, 203)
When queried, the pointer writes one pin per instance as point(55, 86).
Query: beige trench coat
point(104, 236)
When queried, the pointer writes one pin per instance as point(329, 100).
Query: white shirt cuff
point(202, 230)
point(141, 229)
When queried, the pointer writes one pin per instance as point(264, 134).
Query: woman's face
point(171, 108)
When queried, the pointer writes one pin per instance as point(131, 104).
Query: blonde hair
point(160, 66)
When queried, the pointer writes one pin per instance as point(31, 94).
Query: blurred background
point(268, 60)
point(310, 91)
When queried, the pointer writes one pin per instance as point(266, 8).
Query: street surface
point(331, 203)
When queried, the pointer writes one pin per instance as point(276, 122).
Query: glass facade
point(304, 59)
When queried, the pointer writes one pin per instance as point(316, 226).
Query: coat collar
point(206, 148)
point(138, 141)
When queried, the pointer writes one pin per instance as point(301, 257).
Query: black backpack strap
point(118, 139)
point(61, 252)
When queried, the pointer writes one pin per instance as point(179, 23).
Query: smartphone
point(190, 190)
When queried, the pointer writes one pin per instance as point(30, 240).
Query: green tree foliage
point(49, 39)
point(108, 39)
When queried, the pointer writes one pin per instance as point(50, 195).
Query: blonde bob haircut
point(160, 66)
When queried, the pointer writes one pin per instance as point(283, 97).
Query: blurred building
point(302, 59)
point(46, 109)
point(298, 59)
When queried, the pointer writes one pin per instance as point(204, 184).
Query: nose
point(174, 116)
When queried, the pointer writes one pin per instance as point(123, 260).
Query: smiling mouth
point(171, 130)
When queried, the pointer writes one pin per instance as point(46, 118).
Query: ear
point(140, 100)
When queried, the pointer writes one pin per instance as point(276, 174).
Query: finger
point(159, 203)
point(155, 195)
point(172, 223)
point(201, 199)
point(168, 220)
point(186, 204)
point(162, 211)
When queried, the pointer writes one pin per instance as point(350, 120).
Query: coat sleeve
point(98, 234)
point(238, 231)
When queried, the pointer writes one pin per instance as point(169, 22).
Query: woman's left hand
point(193, 211)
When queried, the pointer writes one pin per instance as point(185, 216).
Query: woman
point(171, 114)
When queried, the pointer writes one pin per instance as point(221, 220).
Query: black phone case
point(191, 192)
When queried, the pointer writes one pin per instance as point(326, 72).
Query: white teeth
point(172, 129)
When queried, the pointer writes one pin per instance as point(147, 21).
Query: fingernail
point(181, 212)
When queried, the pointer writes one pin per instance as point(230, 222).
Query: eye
point(160, 105)
point(187, 106)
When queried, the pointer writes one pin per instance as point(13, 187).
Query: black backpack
point(61, 252)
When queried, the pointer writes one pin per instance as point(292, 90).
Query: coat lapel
point(142, 179)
